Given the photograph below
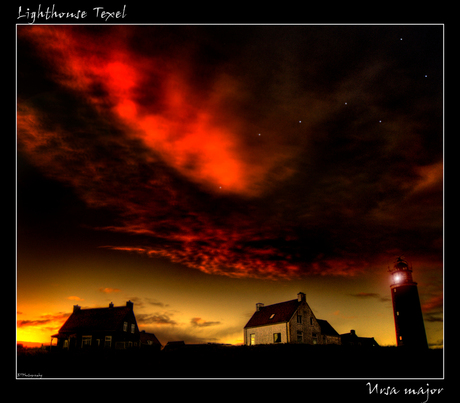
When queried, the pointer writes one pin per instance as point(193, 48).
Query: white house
point(288, 322)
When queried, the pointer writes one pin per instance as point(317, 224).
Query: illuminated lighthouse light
point(397, 278)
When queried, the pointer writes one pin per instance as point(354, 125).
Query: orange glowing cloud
point(108, 290)
point(189, 128)
point(75, 298)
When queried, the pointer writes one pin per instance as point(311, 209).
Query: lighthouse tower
point(410, 329)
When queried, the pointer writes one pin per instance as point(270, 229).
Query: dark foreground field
point(214, 361)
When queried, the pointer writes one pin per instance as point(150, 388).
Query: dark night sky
point(256, 159)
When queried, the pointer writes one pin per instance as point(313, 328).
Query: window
point(108, 341)
point(311, 320)
point(272, 316)
point(315, 338)
point(299, 336)
point(252, 339)
point(276, 337)
point(85, 341)
point(299, 318)
point(133, 327)
point(125, 326)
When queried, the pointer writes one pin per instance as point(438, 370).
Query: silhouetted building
point(149, 340)
point(409, 325)
point(174, 345)
point(114, 327)
point(288, 322)
point(352, 339)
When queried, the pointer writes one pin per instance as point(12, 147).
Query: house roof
point(353, 338)
point(95, 319)
point(326, 328)
point(276, 313)
point(149, 336)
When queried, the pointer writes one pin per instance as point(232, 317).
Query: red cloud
point(189, 128)
point(435, 303)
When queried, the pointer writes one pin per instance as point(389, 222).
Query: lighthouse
point(410, 329)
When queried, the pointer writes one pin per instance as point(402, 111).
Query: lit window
point(125, 326)
point(276, 337)
point(86, 341)
point(252, 339)
point(133, 327)
point(108, 341)
point(272, 316)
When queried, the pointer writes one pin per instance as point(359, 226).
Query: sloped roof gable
point(96, 319)
point(326, 328)
point(145, 337)
point(276, 313)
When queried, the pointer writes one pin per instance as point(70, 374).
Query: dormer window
point(272, 316)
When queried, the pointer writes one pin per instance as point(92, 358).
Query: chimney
point(353, 332)
point(259, 305)
point(129, 304)
point(301, 297)
point(76, 308)
point(111, 305)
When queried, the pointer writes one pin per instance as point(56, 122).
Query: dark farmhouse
point(114, 327)
point(352, 339)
